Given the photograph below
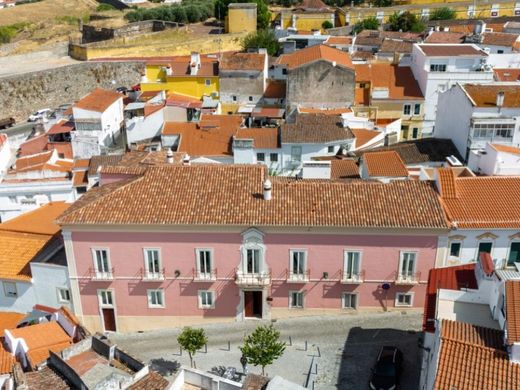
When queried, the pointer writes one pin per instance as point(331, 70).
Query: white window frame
point(345, 264)
point(204, 275)
point(297, 276)
point(471, 10)
point(414, 108)
point(149, 293)
point(401, 261)
point(398, 304)
point(271, 157)
point(300, 293)
point(10, 294)
point(460, 249)
point(343, 300)
point(206, 292)
point(102, 274)
point(253, 239)
point(299, 154)
point(59, 291)
point(107, 292)
point(405, 107)
point(152, 274)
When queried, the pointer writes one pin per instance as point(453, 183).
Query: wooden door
point(257, 304)
point(248, 303)
point(109, 320)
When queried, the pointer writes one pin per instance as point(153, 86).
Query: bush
point(326, 25)
point(104, 7)
point(406, 22)
point(383, 3)
point(261, 39)
point(9, 32)
point(191, 11)
point(366, 24)
point(443, 13)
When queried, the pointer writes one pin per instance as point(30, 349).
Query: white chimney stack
point(186, 160)
point(500, 99)
point(169, 156)
point(267, 189)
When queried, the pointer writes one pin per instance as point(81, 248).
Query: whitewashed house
point(472, 115)
point(5, 154)
point(495, 160)
point(437, 67)
point(98, 119)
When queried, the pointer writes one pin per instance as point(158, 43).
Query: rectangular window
point(102, 262)
point(407, 109)
point(63, 295)
point(437, 67)
point(284, 71)
point(404, 299)
point(204, 263)
point(350, 301)
point(297, 263)
point(330, 149)
point(296, 153)
point(274, 157)
point(416, 109)
point(407, 268)
point(493, 130)
point(206, 300)
point(152, 263)
point(250, 98)
point(10, 289)
point(106, 298)
point(415, 132)
point(514, 254)
point(455, 249)
point(207, 82)
point(234, 98)
point(471, 11)
point(296, 299)
point(352, 261)
point(485, 247)
point(155, 298)
point(260, 157)
point(253, 261)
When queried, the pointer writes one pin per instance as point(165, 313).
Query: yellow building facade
point(306, 21)
point(241, 18)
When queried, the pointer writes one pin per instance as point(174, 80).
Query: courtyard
point(333, 352)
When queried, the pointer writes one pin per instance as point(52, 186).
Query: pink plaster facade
point(380, 259)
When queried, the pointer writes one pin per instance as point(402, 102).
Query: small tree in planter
point(192, 340)
point(263, 346)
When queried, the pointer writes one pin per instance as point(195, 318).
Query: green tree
point(383, 3)
point(263, 16)
point(326, 25)
point(261, 39)
point(443, 13)
point(406, 22)
point(263, 346)
point(366, 24)
point(192, 340)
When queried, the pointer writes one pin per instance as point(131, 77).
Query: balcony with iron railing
point(257, 279)
point(101, 275)
point(405, 278)
point(298, 277)
point(349, 277)
point(151, 276)
point(199, 276)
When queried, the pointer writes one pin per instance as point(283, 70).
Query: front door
point(109, 320)
point(514, 254)
point(253, 304)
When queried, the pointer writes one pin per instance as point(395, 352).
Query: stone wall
point(92, 34)
point(21, 95)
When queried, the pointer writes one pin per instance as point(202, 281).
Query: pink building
point(172, 245)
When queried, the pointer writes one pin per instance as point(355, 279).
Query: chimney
point(500, 100)
point(186, 160)
point(169, 156)
point(194, 63)
point(267, 190)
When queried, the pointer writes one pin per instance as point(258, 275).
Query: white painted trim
point(397, 304)
point(148, 296)
point(305, 259)
point(211, 257)
point(342, 303)
point(145, 259)
point(73, 273)
point(291, 292)
point(199, 298)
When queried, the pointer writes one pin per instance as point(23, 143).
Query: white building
point(499, 42)
point(98, 119)
point(473, 115)
point(437, 67)
point(143, 121)
point(495, 160)
point(5, 154)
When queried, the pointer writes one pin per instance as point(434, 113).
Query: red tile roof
point(7, 360)
point(344, 169)
point(180, 65)
point(449, 278)
point(483, 95)
point(339, 40)
point(513, 311)
point(208, 194)
point(499, 39)
point(178, 100)
point(315, 53)
point(441, 50)
point(34, 145)
point(445, 37)
point(384, 164)
point(507, 74)
point(487, 263)
point(315, 128)
point(98, 100)
point(38, 221)
point(363, 136)
point(3, 139)
point(505, 148)
point(275, 90)
point(63, 126)
point(263, 138)
point(243, 61)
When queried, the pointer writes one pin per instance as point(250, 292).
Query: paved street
point(348, 346)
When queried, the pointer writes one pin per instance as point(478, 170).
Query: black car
point(387, 370)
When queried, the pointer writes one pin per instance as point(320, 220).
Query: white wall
point(46, 280)
point(494, 163)
point(23, 302)
point(5, 156)
point(144, 127)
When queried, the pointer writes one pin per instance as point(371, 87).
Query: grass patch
point(9, 32)
point(72, 20)
point(105, 7)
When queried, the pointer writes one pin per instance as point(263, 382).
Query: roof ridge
point(474, 345)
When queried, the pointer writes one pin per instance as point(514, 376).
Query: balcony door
point(351, 265)
point(407, 265)
point(298, 263)
point(253, 261)
point(514, 254)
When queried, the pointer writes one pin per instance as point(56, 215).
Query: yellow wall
point(194, 86)
point(229, 107)
point(306, 22)
point(241, 20)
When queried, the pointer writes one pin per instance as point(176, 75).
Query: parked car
point(6, 122)
point(40, 114)
point(387, 370)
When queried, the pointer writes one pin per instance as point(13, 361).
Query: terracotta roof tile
point(40, 355)
point(63, 126)
point(513, 311)
point(486, 95)
point(363, 136)
point(324, 111)
point(263, 138)
point(38, 221)
point(344, 169)
point(45, 379)
point(312, 6)
point(209, 195)
point(445, 37)
point(180, 65)
point(178, 100)
point(484, 202)
point(275, 90)
point(315, 53)
point(505, 148)
point(448, 50)
point(98, 100)
point(384, 164)
point(315, 128)
point(399, 80)
point(9, 319)
point(339, 40)
point(507, 74)
point(243, 61)
point(33, 160)
point(499, 39)
point(448, 189)
point(152, 381)
point(7, 360)
point(395, 46)
point(150, 108)
point(80, 179)
point(3, 139)
point(450, 278)
point(81, 163)
point(98, 161)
